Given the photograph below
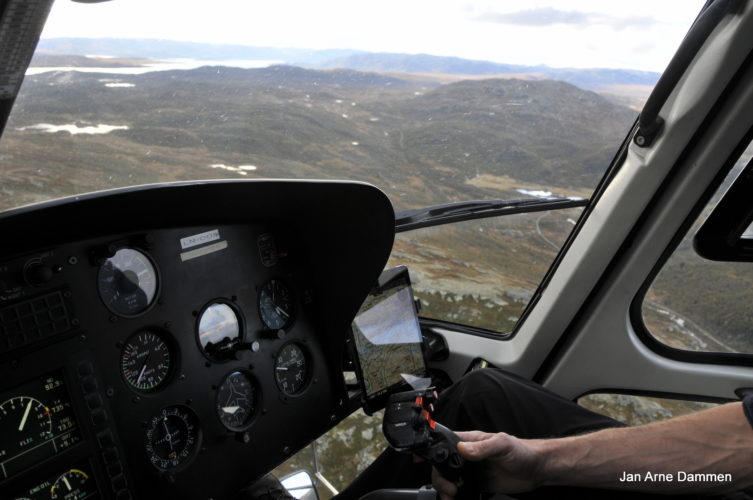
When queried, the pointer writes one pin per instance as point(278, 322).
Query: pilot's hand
point(506, 464)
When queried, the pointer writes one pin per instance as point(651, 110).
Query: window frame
point(636, 305)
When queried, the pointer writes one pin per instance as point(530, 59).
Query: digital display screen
point(36, 422)
point(387, 338)
point(75, 483)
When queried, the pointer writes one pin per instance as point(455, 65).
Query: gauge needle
point(281, 311)
point(25, 417)
point(67, 484)
point(143, 368)
point(282, 368)
point(168, 436)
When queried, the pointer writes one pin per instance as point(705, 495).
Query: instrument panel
point(180, 360)
point(36, 422)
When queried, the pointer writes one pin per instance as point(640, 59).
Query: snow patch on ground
point(74, 129)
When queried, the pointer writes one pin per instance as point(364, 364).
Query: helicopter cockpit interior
point(127, 359)
point(175, 338)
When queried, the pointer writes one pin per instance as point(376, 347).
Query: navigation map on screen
point(388, 340)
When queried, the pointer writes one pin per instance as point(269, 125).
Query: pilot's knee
point(476, 392)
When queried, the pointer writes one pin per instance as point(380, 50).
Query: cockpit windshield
point(431, 102)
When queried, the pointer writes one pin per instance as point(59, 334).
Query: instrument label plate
point(199, 239)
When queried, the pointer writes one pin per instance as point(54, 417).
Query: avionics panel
point(75, 483)
point(36, 422)
point(233, 397)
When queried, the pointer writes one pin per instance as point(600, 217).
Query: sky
point(635, 34)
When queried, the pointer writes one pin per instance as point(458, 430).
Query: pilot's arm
point(717, 442)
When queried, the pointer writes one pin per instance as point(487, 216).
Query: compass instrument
point(172, 437)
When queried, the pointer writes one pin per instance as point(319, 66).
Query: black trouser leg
point(492, 400)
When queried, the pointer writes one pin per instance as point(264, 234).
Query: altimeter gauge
point(127, 282)
point(172, 437)
point(236, 401)
point(276, 304)
point(145, 360)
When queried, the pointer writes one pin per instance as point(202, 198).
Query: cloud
point(549, 16)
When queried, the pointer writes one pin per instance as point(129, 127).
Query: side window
point(697, 304)
point(484, 272)
point(637, 410)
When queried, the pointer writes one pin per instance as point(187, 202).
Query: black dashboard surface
point(181, 339)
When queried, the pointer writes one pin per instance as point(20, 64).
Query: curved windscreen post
point(21, 23)
point(649, 122)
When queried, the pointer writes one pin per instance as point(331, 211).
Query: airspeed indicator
point(145, 361)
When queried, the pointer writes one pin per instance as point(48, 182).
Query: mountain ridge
point(588, 78)
point(297, 122)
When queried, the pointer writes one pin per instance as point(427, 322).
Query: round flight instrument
point(72, 484)
point(145, 360)
point(127, 282)
point(276, 304)
point(291, 369)
point(219, 329)
point(25, 422)
point(236, 401)
point(172, 437)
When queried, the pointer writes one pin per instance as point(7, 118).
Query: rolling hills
point(422, 144)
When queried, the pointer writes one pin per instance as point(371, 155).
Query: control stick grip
point(449, 467)
point(408, 426)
